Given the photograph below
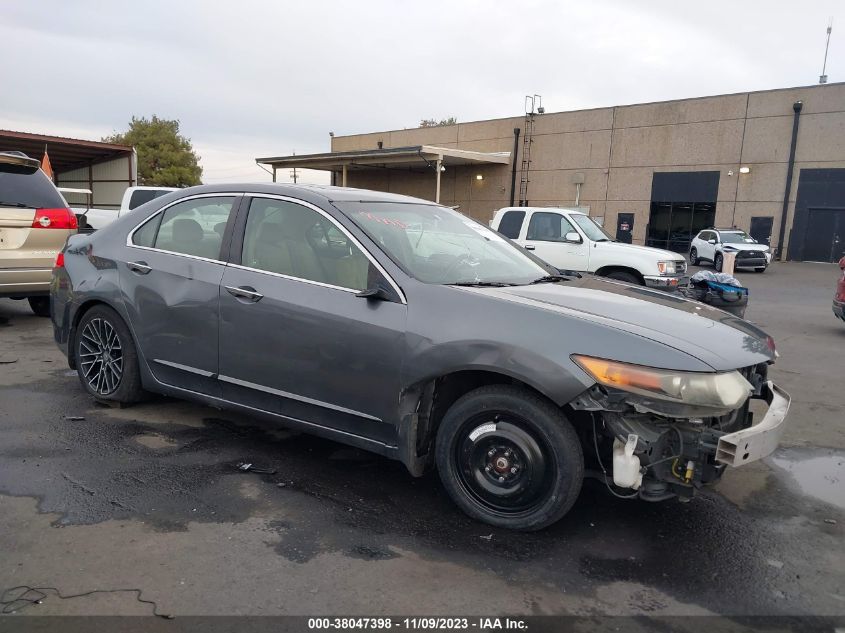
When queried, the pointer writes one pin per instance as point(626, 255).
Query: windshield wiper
point(550, 279)
point(481, 284)
point(19, 205)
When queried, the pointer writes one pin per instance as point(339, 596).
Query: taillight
point(54, 219)
point(60, 260)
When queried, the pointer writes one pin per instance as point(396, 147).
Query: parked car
point(711, 244)
point(34, 223)
point(405, 328)
point(93, 219)
point(570, 240)
point(839, 297)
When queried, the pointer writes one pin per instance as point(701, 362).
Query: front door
point(761, 229)
point(170, 281)
point(295, 339)
point(546, 236)
point(825, 237)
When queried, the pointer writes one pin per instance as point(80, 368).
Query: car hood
point(657, 253)
point(715, 337)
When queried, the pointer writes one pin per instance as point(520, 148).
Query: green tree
point(435, 123)
point(165, 157)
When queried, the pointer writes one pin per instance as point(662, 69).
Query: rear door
point(170, 279)
point(295, 339)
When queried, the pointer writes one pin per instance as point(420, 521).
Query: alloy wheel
point(101, 356)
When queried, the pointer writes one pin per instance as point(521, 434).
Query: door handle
point(529, 247)
point(245, 292)
point(139, 267)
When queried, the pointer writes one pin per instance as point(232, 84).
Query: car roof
point(309, 193)
point(567, 209)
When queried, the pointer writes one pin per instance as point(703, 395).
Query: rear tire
point(717, 262)
point(760, 270)
point(509, 458)
point(693, 256)
point(620, 275)
point(106, 358)
point(40, 305)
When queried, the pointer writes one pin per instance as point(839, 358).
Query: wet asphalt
point(150, 497)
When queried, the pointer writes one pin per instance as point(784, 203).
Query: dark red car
point(839, 297)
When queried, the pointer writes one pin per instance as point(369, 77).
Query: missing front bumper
point(759, 440)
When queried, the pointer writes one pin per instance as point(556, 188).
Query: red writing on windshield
point(387, 221)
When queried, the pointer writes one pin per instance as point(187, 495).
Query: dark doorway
point(761, 229)
point(682, 204)
point(825, 241)
point(625, 227)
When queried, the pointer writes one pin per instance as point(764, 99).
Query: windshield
point(736, 237)
point(437, 245)
point(592, 230)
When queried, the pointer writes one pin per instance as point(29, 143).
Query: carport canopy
point(65, 153)
point(413, 157)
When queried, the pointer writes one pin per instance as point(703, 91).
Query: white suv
point(710, 244)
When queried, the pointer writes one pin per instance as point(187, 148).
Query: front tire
point(693, 256)
point(717, 262)
point(40, 305)
point(761, 269)
point(509, 458)
point(106, 358)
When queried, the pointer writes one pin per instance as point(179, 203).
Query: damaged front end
point(658, 437)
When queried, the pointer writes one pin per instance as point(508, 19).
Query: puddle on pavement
point(818, 473)
point(155, 441)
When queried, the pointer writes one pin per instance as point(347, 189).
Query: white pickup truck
point(91, 218)
point(569, 239)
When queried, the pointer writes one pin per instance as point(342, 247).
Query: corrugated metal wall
point(108, 180)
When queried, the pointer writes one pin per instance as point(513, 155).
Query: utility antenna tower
point(293, 174)
point(823, 76)
point(533, 107)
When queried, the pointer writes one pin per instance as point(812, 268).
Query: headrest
point(187, 230)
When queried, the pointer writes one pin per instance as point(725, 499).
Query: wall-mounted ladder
point(533, 106)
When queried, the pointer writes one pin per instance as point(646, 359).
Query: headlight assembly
point(727, 390)
point(666, 268)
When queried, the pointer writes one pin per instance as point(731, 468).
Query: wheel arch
point(423, 404)
point(604, 271)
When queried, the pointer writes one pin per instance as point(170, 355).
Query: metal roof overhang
point(65, 153)
point(414, 157)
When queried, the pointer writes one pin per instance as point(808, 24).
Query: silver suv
point(35, 223)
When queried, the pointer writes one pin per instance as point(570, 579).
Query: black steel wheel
point(106, 360)
point(509, 457)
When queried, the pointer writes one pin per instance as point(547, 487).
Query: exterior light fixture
point(442, 168)
point(479, 176)
point(745, 170)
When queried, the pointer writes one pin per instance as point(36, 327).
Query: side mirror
point(376, 293)
point(573, 237)
point(711, 241)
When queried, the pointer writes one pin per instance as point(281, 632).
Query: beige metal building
point(655, 173)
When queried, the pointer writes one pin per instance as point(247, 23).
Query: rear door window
point(511, 224)
point(193, 227)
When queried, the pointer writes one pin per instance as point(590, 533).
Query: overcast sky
point(251, 79)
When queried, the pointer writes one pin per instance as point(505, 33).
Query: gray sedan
point(405, 328)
